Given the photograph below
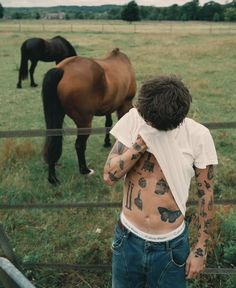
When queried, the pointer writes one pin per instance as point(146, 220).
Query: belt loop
point(123, 228)
point(168, 245)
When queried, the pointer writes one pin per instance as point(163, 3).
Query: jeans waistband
point(167, 244)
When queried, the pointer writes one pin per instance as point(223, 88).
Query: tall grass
point(206, 63)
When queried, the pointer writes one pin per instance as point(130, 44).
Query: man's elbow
point(107, 179)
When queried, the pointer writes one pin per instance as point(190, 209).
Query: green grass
point(206, 63)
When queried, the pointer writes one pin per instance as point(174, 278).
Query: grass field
point(206, 61)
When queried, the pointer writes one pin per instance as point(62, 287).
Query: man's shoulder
point(193, 127)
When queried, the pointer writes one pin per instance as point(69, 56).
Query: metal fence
point(5, 244)
point(100, 26)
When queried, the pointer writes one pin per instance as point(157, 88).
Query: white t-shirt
point(176, 151)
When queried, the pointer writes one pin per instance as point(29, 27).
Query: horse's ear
point(115, 51)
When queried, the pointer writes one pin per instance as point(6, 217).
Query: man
point(159, 150)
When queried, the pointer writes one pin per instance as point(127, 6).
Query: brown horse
point(81, 88)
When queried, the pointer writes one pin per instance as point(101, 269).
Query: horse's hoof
point(34, 85)
point(91, 172)
point(54, 181)
point(18, 86)
point(88, 172)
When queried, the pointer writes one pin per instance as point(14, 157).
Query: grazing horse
point(38, 49)
point(82, 87)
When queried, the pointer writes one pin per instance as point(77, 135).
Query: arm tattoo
point(210, 204)
point(202, 208)
point(200, 193)
point(112, 176)
point(207, 223)
point(162, 187)
point(210, 172)
point(207, 184)
point(118, 148)
point(121, 164)
point(169, 215)
point(198, 252)
point(138, 201)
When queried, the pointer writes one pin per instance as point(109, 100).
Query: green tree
point(114, 13)
point(130, 12)
point(209, 9)
point(173, 12)
point(79, 15)
point(17, 15)
point(1, 11)
point(230, 14)
point(190, 10)
point(37, 15)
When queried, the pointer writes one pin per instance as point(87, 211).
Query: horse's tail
point(23, 63)
point(53, 114)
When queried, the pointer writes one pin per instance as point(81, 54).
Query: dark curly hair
point(164, 102)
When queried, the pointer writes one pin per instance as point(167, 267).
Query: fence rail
point(86, 131)
point(95, 26)
point(230, 202)
point(107, 267)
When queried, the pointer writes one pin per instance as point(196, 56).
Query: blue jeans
point(137, 263)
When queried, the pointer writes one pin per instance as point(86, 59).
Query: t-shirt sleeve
point(122, 129)
point(205, 152)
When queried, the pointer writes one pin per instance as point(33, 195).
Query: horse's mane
point(115, 51)
point(67, 43)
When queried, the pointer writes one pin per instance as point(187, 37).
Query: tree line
point(190, 11)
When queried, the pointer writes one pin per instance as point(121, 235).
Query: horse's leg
point(23, 70)
point(124, 108)
point(18, 85)
point(80, 146)
point(32, 68)
point(108, 123)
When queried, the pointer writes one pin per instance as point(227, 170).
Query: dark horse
point(81, 88)
point(38, 49)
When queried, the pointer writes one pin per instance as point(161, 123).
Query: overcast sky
point(46, 3)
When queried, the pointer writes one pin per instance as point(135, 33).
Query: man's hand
point(121, 159)
point(195, 264)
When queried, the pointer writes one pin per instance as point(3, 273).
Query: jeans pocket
point(180, 252)
point(118, 241)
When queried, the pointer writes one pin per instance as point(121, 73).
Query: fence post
point(8, 251)
point(17, 279)
point(6, 247)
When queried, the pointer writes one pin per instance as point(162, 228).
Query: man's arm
point(196, 260)
point(121, 159)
